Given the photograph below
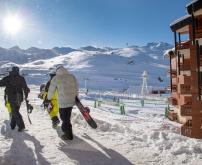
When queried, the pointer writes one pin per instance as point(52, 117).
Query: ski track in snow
point(142, 137)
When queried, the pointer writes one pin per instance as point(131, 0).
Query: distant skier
point(15, 86)
point(66, 85)
point(53, 107)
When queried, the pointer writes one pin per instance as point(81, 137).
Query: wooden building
point(186, 70)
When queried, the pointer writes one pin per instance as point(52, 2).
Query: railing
point(184, 89)
point(198, 33)
point(183, 45)
point(186, 129)
point(184, 80)
point(172, 115)
point(172, 101)
point(185, 110)
point(185, 65)
point(185, 100)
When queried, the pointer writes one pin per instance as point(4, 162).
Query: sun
point(12, 24)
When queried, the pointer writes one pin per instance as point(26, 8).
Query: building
point(186, 70)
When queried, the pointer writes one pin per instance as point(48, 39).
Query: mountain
point(63, 50)
point(91, 48)
point(105, 68)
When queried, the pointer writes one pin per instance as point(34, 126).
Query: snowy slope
point(142, 137)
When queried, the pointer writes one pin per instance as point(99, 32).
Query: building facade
point(186, 70)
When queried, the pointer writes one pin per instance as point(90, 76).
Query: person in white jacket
point(67, 88)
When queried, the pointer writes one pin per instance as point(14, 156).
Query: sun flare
point(12, 24)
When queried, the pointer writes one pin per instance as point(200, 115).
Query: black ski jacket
point(15, 86)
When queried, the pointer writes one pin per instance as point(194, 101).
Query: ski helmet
point(15, 69)
point(42, 87)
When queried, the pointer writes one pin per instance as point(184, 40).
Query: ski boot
point(55, 122)
point(66, 137)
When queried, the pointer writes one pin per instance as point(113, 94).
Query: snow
point(142, 136)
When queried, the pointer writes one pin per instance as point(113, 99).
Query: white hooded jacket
point(66, 86)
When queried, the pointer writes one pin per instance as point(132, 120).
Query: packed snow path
point(142, 137)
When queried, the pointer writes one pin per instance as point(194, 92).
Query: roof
point(181, 22)
point(169, 53)
point(194, 6)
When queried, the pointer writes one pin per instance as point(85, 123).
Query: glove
point(29, 106)
point(46, 103)
point(40, 96)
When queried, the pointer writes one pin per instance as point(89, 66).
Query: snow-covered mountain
point(99, 68)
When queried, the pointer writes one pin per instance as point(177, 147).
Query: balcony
point(184, 89)
point(172, 115)
point(185, 100)
point(172, 72)
point(186, 129)
point(185, 110)
point(183, 45)
point(185, 65)
point(198, 33)
point(184, 80)
point(172, 100)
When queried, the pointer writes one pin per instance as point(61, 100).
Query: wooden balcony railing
point(198, 33)
point(185, 100)
point(183, 45)
point(172, 72)
point(172, 100)
point(185, 110)
point(185, 65)
point(184, 80)
point(186, 129)
point(184, 89)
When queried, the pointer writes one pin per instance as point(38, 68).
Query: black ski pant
point(65, 115)
point(16, 117)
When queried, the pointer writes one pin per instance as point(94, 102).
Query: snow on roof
point(168, 52)
point(194, 6)
point(181, 22)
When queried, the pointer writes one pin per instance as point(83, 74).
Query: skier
point(15, 86)
point(66, 86)
point(53, 108)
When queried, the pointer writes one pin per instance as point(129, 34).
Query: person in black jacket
point(15, 87)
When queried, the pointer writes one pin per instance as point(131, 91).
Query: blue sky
point(76, 23)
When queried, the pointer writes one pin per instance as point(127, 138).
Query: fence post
point(99, 103)
point(142, 102)
point(95, 104)
point(122, 110)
